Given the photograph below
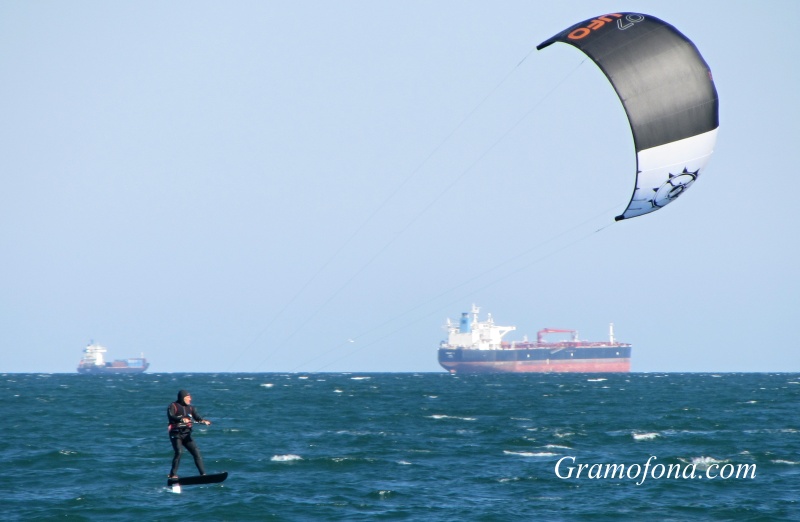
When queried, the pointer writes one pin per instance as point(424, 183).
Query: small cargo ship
point(93, 361)
point(474, 346)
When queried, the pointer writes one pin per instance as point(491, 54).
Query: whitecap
point(530, 453)
point(440, 416)
point(267, 385)
point(702, 463)
point(601, 379)
point(285, 458)
point(385, 493)
point(789, 462)
point(644, 436)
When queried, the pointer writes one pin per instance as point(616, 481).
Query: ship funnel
point(463, 324)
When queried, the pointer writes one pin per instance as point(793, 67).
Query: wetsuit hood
point(182, 395)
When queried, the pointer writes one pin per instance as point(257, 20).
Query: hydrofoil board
point(199, 479)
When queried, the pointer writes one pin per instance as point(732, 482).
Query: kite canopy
point(668, 94)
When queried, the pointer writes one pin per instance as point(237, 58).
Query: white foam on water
point(285, 458)
point(531, 453)
point(702, 463)
point(438, 417)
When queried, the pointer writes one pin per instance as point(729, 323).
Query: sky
point(305, 186)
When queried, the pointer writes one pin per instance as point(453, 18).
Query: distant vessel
point(473, 346)
point(93, 362)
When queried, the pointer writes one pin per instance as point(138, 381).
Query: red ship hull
point(585, 366)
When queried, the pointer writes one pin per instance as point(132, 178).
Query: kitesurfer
point(181, 416)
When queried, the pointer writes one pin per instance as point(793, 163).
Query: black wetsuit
point(180, 434)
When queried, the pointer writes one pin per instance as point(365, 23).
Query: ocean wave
point(703, 463)
point(285, 458)
point(531, 453)
point(382, 494)
point(645, 436)
point(439, 417)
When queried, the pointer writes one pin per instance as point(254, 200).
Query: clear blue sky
point(306, 186)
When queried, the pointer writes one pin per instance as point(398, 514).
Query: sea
point(405, 446)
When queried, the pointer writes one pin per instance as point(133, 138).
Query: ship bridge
point(472, 333)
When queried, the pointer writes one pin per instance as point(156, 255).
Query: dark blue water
point(405, 447)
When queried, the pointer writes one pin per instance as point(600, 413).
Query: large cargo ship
point(474, 346)
point(93, 361)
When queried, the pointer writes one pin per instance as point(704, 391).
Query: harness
point(181, 411)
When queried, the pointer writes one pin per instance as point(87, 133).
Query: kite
point(668, 94)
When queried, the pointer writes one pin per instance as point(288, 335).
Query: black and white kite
point(668, 94)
